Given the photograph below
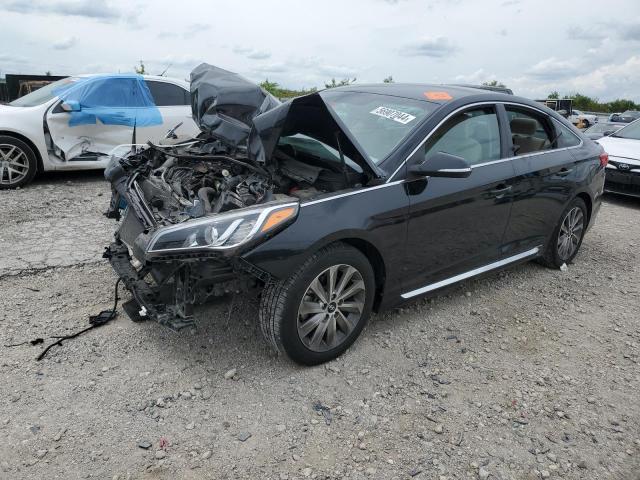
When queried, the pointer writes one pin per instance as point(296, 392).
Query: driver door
point(457, 224)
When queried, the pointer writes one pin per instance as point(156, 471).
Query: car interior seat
point(523, 131)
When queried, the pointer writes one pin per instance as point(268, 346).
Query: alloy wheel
point(570, 233)
point(331, 308)
point(14, 164)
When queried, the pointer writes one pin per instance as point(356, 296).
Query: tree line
point(590, 104)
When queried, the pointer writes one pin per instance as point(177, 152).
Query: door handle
point(500, 191)
point(565, 171)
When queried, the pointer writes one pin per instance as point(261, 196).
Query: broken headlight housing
point(223, 231)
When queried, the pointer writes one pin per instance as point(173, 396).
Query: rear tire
point(567, 236)
point(18, 163)
point(586, 123)
point(313, 328)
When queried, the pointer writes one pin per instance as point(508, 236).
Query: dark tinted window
point(473, 135)
point(530, 131)
point(167, 94)
point(566, 137)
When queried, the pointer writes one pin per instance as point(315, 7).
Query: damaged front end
point(191, 210)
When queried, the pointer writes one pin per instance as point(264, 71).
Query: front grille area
point(627, 183)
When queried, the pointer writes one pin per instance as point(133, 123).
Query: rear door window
point(566, 138)
point(531, 131)
point(167, 94)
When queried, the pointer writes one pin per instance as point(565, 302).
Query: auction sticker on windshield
point(392, 114)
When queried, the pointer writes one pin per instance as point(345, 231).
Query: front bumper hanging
point(169, 303)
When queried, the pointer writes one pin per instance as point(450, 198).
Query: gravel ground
point(529, 373)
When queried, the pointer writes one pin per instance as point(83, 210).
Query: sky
point(532, 46)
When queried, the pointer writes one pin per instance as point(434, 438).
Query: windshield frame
point(63, 85)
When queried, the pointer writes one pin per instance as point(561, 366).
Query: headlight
point(224, 230)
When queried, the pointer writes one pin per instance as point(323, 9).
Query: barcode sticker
point(392, 114)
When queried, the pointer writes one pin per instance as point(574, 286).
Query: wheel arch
point(28, 141)
point(586, 198)
point(374, 256)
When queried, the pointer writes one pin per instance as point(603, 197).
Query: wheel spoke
point(307, 327)
point(354, 307)
point(307, 308)
point(346, 276)
point(354, 288)
point(343, 322)
point(331, 282)
point(331, 332)
point(317, 288)
point(318, 335)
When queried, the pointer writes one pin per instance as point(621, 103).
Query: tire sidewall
point(553, 246)
point(289, 331)
point(31, 157)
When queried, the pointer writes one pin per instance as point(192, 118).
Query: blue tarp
point(112, 99)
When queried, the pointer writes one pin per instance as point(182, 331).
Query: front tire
point(567, 236)
point(18, 164)
point(318, 312)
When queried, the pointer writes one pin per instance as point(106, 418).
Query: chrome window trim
point(478, 104)
point(470, 273)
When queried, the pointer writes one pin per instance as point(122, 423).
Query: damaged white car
point(74, 123)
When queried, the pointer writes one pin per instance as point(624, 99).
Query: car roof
point(422, 91)
point(146, 77)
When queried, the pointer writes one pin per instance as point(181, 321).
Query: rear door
point(174, 103)
point(457, 224)
point(545, 169)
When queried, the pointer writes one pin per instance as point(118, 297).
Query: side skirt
point(471, 273)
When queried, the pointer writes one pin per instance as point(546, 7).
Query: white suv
point(55, 129)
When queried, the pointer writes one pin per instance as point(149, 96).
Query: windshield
point(378, 122)
point(44, 94)
point(631, 131)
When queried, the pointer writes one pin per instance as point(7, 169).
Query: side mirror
point(442, 165)
point(71, 106)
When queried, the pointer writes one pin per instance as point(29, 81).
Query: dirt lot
point(530, 373)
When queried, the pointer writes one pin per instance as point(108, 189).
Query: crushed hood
point(235, 110)
point(224, 103)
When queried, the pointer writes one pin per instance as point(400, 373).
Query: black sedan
point(345, 202)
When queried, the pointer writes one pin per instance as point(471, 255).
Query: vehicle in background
point(561, 105)
point(623, 169)
point(602, 129)
point(73, 123)
point(625, 117)
point(345, 201)
point(578, 117)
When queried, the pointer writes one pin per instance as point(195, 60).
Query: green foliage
point(48, 73)
point(590, 104)
point(554, 95)
point(494, 83)
point(341, 83)
point(277, 91)
point(389, 79)
point(140, 70)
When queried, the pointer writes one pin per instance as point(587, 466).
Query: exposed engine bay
point(205, 177)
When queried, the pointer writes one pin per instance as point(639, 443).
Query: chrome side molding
point(471, 273)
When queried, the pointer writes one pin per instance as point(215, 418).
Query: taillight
point(604, 159)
